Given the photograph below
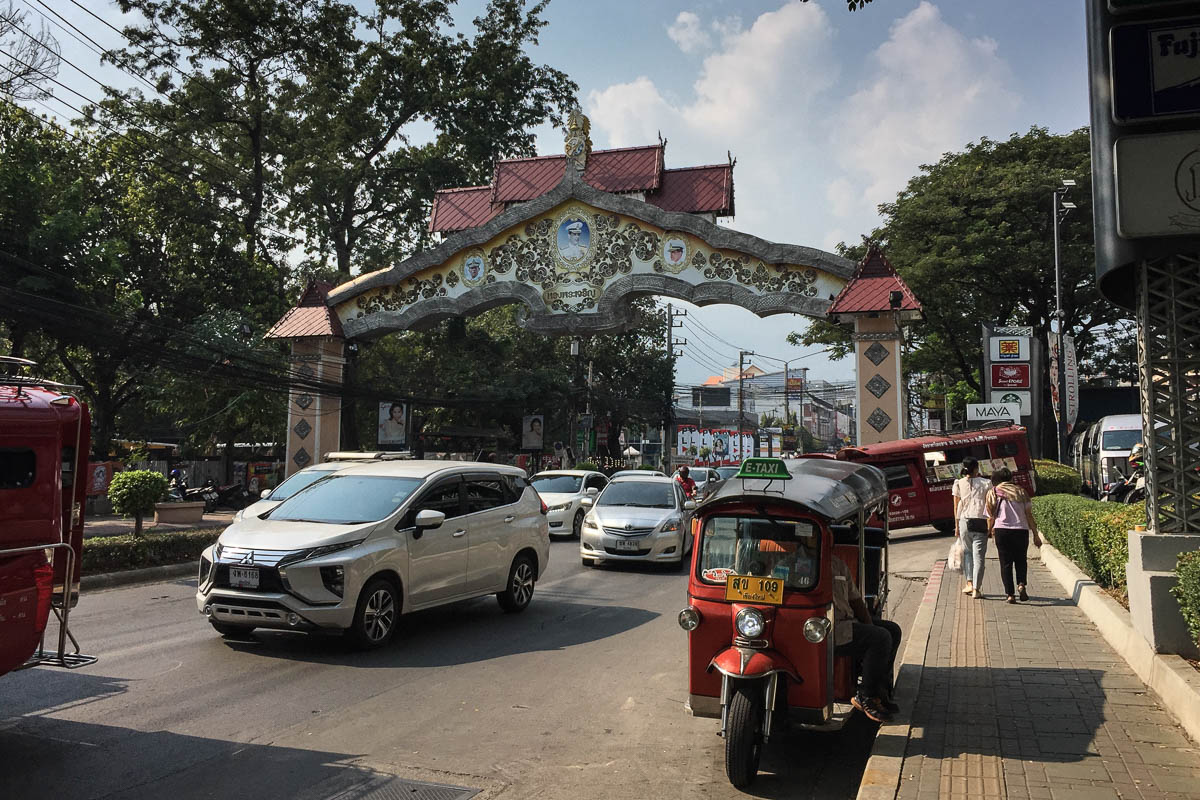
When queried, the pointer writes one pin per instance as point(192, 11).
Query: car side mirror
point(588, 501)
point(592, 490)
point(428, 519)
point(264, 494)
point(689, 505)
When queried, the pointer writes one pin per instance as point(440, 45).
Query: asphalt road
point(581, 697)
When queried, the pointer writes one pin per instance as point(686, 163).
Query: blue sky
point(827, 112)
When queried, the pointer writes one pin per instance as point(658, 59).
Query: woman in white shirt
point(970, 522)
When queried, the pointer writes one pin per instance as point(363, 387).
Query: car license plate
point(243, 577)
point(748, 589)
point(628, 544)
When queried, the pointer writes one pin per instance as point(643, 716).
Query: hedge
point(1187, 591)
point(1093, 534)
point(1056, 478)
point(115, 553)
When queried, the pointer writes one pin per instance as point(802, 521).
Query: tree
point(134, 493)
point(972, 237)
point(29, 58)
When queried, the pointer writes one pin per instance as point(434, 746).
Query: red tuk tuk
point(760, 598)
point(921, 471)
point(44, 440)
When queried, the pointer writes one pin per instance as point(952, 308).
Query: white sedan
point(562, 491)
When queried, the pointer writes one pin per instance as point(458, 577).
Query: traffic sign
point(1158, 184)
point(1155, 69)
point(1010, 376)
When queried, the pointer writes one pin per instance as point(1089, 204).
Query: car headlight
point(670, 525)
point(689, 619)
point(560, 507)
point(816, 629)
point(317, 552)
point(750, 623)
point(590, 522)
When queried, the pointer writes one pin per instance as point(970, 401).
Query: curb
point(1169, 676)
point(112, 580)
point(881, 778)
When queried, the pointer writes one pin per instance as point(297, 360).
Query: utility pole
point(741, 393)
point(1060, 210)
point(669, 417)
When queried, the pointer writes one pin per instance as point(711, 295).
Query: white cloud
point(841, 196)
point(931, 91)
point(688, 33)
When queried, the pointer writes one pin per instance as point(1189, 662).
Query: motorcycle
point(206, 494)
point(234, 496)
point(1130, 489)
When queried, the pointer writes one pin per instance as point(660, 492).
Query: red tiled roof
point(310, 317)
point(696, 190)
point(459, 209)
point(871, 288)
point(628, 169)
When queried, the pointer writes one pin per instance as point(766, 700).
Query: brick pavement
point(1029, 701)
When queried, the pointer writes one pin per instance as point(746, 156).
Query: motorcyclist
point(176, 486)
point(689, 485)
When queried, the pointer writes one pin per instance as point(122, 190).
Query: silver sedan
point(638, 518)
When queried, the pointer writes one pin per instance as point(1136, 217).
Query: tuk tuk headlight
point(816, 629)
point(689, 619)
point(750, 623)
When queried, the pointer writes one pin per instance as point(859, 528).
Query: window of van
point(897, 474)
point(1120, 440)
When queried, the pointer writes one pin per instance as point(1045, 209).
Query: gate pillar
point(878, 303)
point(316, 367)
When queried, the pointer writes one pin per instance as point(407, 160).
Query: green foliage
point(649, 467)
point(115, 553)
point(135, 492)
point(1187, 591)
point(586, 465)
point(1056, 478)
point(1093, 534)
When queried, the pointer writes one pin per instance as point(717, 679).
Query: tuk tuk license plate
point(748, 589)
point(243, 577)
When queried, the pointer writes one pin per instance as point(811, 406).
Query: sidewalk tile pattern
point(1028, 701)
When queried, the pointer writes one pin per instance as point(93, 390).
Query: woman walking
point(1010, 517)
point(971, 524)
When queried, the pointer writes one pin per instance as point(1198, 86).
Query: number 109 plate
point(749, 589)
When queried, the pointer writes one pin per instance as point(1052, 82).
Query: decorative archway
point(573, 257)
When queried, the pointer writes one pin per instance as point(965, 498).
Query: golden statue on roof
point(578, 138)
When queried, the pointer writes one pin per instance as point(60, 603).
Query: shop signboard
point(1008, 348)
point(1010, 376)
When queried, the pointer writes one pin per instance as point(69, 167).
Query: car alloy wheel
point(520, 586)
point(375, 618)
point(577, 525)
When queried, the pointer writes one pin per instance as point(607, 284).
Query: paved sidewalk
point(1029, 701)
point(113, 525)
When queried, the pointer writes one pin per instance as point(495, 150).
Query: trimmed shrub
point(116, 553)
point(587, 465)
point(135, 492)
point(1056, 478)
point(1093, 534)
point(1187, 591)
point(650, 467)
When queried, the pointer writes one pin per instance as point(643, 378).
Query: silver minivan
point(1106, 447)
point(371, 541)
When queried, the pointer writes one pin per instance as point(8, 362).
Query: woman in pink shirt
point(1010, 521)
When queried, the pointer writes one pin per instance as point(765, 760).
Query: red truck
point(921, 471)
point(44, 441)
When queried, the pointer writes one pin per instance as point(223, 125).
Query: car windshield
point(727, 472)
point(1121, 440)
point(560, 484)
point(347, 499)
point(638, 493)
point(762, 547)
point(297, 482)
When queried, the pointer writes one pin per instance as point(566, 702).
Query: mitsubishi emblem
point(248, 558)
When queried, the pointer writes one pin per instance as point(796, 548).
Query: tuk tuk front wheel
point(743, 734)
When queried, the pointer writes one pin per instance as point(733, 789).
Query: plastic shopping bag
point(954, 557)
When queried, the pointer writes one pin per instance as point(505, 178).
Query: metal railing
point(60, 658)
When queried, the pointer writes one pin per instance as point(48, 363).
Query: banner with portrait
point(393, 424)
point(531, 432)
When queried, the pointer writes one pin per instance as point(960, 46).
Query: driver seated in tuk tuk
point(875, 641)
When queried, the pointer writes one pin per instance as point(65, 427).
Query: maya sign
point(987, 412)
point(1010, 376)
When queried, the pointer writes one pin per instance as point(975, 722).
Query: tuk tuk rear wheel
point(743, 734)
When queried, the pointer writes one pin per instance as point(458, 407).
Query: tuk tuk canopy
point(831, 489)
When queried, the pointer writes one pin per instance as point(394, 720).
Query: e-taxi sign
point(1155, 69)
point(1010, 376)
point(1009, 348)
point(766, 468)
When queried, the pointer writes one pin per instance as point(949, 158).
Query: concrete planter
point(178, 513)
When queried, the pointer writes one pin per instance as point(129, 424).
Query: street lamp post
point(1061, 208)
